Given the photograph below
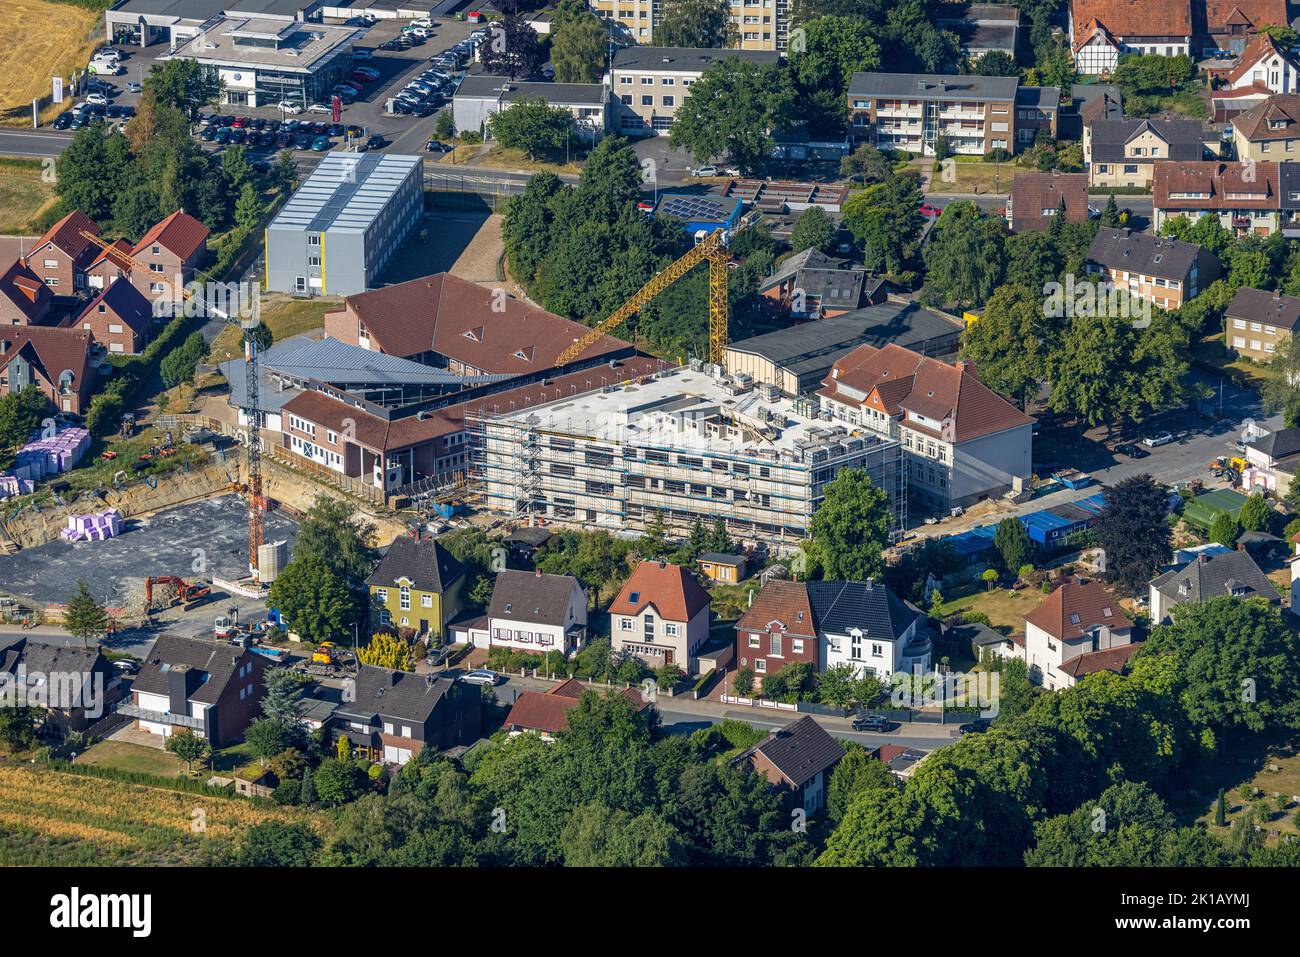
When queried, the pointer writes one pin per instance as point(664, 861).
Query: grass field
point(40, 40)
point(1006, 609)
point(24, 196)
point(974, 178)
point(1267, 783)
point(284, 317)
point(57, 818)
point(133, 757)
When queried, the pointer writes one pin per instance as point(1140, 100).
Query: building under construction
point(688, 442)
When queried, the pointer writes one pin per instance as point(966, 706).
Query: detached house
point(1124, 152)
point(961, 440)
point(75, 686)
point(1036, 198)
point(1167, 272)
point(1257, 321)
point(395, 715)
point(829, 623)
point(661, 615)
point(546, 713)
point(1265, 66)
point(812, 285)
point(532, 611)
point(1232, 25)
point(1244, 197)
point(799, 759)
point(118, 319)
point(417, 585)
point(24, 299)
point(170, 254)
point(1269, 131)
point(1209, 576)
point(1102, 30)
point(57, 361)
point(61, 256)
point(214, 690)
point(1078, 629)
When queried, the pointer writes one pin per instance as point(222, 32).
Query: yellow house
point(417, 585)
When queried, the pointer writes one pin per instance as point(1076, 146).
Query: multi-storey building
point(1257, 321)
point(976, 114)
point(1243, 196)
point(650, 84)
point(1103, 30)
point(684, 445)
point(1269, 130)
point(1123, 152)
point(1165, 272)
point(758, 24)
point(1266, 66)
point(480, 96)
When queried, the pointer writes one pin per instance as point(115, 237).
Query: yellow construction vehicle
point(324, 653)
point(712, 248)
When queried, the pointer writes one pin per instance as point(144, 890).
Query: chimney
point(178, 690)
point(663, 563)
point(538, 573)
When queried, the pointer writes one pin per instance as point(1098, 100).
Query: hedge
point(189, 785)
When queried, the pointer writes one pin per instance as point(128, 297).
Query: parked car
point(481, 677)
point(873, 722)
point(291, 127)
point(321, 144)
point(62, 121)
point(389, 45)
point(978, 726)
point(930, 211)
point(1157, 440)
point(319, 108)
point(303, 141)
point(127, 666)
point(361, 53)
point(353, 130)
point(375, 142)
point(1131, 450)
point(433, 146)
point(705, 171)
point(291, 108)
point(422, 22)
point(222, 135)
point(283, 140)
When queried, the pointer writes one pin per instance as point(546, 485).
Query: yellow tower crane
point(713, 249)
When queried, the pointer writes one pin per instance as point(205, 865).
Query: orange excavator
point(186, 592)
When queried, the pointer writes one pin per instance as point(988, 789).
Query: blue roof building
point(698, 213)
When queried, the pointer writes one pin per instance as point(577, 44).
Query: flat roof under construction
point(345, 192)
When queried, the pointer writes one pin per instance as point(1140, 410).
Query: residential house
point(24, 299)
point(962, 442)
point(1257, 321)
point(1036, 197)
point(536, 612)
point(661, 615)
point(60, 257)
point(1102, 30)
point(1232, 25)
point(799, 759)
point(1289, 190)
point(1264, 66)
point(1038, 112)
point(57, 361)
point(1244, 197)
point(481, 95)
point(986, 28)
point(170, 255)
point(1077, 630)
point(1269, 131)
point(812, 285)
point(118, 319)
point(109, 265)
point(213, 689)
point(416, 585)
point(546, 713)
point(76, 687)
point(1167, 272)
point(1209, 576)
point(1089, 102)
point(1124, 152)
point(394, 715)
point(1274, 461)
point(651, 83)
point(829, 623)
point(718, 567)
point(976, 114)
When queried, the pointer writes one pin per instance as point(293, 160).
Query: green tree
point(964, 258)
point(596, 836)
point(1225, 530)
point(268, 738)
point(185, 85)
point(84, 618)
point(885, 220)
point(851, 528)
point(578, 43)
point(248, 208)
point(742, 682)
point(830, 51)
point(1133, 530)
point(21, 413)
point(1011, 343)
point(732, 110)
point(512, 49)
point(837, 685)
point(813, 229)
point(387, 651)
point(694, 23)
point(314, 598)
point(187, 746)
point(278, 844)
point(18, 727)
point(444, 127)
point(856, 772)
point(531, 125)
point(868, 162)
point(994, 63)
point(1013, 544)
point(1256, 514)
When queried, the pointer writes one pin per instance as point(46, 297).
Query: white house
point(661, 616)
point(1265, 66)
point(531, 611)
point(1078, 629)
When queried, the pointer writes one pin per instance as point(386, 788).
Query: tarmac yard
point(213, 531)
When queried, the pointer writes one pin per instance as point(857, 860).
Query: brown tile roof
point(54, 350)
point(1103, 107)
point(371, 430)
point(1109, 659)
point(548, 711)
point(24, 289)
point(1131, 18)
point(66, 234)
point(1075, 607)
point(672, 590)
point(1260, 46)
point(786, 602)
point(1259, 305)
point(559, 387)
point(122, 246)
point(1258, 122)
point(457, 319)
point(1218, 180)
point(1031, 193)
point(1221, 14)
point(799, 751)
point(904, 380)
point(180, 233)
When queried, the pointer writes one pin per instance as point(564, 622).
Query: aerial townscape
point(690, 433)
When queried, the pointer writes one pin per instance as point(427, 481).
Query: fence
point(478, 190)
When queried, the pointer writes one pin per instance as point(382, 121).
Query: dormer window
point(634, 597)
point(509, 605)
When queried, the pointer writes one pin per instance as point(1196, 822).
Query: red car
point(930, 211)
point(239, 122)
point(646, 206)
point(359, 77)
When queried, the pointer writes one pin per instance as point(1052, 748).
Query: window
point(754, 641)
point(313, 239)
point(668, 101)
point(426, 601)
point(626, 624)
point(647, 101)
point(796, 646)
point(760, 665)
point(381, 595)
point(670, 630)
point(405, 598)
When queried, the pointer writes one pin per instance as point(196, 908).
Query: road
point(34, 143)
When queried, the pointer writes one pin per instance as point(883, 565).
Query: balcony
point(159, 717)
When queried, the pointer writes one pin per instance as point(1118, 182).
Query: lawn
point(973, 178)
point(1210, 352)
point(40, 40)
point(24, 196)
point(1267, 783)
point(137, 758)
point(499, 158)
point(285, 318)
point(1006, 609)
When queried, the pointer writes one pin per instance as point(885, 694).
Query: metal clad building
point(341, 227)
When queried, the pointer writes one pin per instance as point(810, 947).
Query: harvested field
point(38, 41)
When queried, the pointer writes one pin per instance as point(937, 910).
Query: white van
point(106, 67)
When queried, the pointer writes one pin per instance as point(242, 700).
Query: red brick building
point(175, 247)
point(118, 319)
point(55, 360)
point(61, 256)
point(24, 299)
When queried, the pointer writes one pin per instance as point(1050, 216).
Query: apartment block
point(651, 83)
point(1166, 272)
point(1269, 131)
point(1257, 321)
point(1123, 152)
point(759, 24)
point(685, 444)
point(977, 114)
point(1244, 197)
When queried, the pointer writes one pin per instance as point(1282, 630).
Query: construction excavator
point(187, 593)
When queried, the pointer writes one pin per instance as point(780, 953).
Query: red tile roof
point(66, 234)
point(371, 430)
point(903, 380)
point(1109, 659)
point(1221, 14)
point(1276, 118)
point(671, 589)
point(1031, 193)
point(548, 711)
point(470, 324)
point(1216, 179)
point(24, 289)
point(55, 349)
point(180, 233)
point(1131, 18)
point(1260, 47)
point(786, 602)
point(1074, 607)
point(122, 246)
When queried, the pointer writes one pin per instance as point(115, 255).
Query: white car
point(106, 68)
point(421, 22)
point(1161, 438)
point(291, 108)
point(359, 53)
point(481, 677)
point(319, 108)
point(705, 171)
point(97, 99)
point(108, 53)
